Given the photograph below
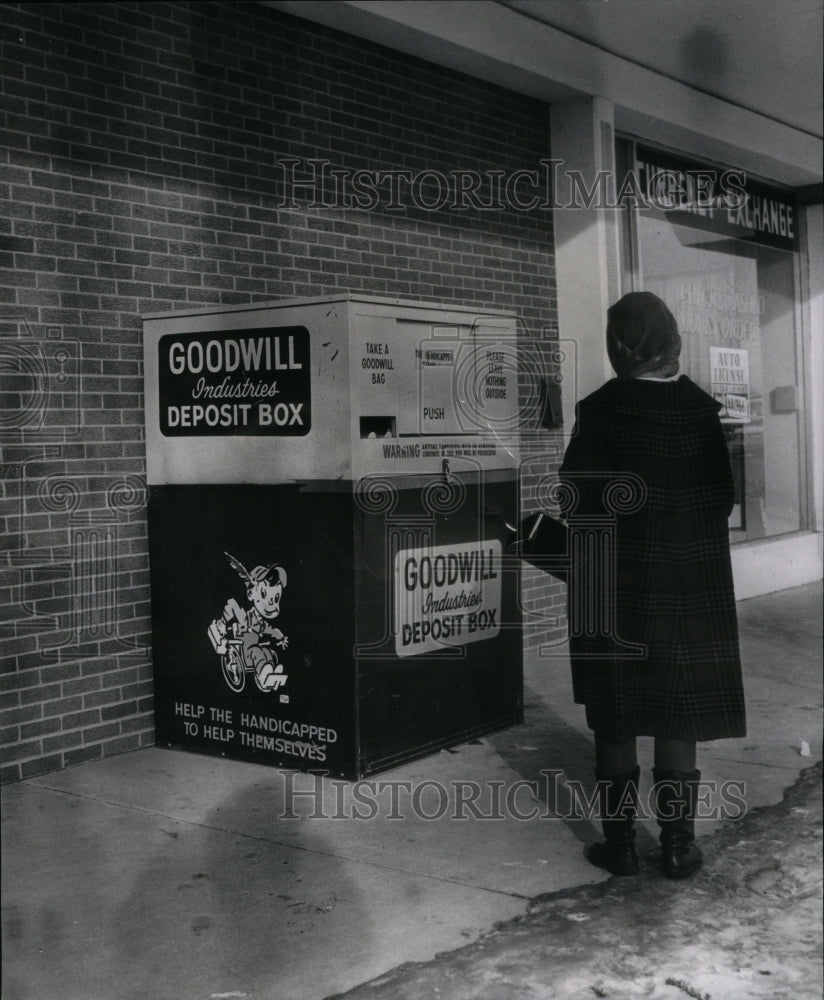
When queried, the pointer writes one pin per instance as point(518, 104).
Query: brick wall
point(144, 167)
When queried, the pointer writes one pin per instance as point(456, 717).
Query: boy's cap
point(261, 573)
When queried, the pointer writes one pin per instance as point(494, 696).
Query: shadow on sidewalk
point(748, 924)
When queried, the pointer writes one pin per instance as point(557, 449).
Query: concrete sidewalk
point(169, 876)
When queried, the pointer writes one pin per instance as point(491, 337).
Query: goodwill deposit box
point(330, 481)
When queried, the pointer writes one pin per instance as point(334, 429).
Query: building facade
point(161, 156)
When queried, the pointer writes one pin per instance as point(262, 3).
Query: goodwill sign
point(447, 595)
point(235, 382)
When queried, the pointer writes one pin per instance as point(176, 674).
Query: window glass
point(734, 301)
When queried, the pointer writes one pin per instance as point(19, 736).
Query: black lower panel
point(414, 699)
point(289, 626)
point(279, 686)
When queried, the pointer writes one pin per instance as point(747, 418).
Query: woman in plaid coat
point(653, 629)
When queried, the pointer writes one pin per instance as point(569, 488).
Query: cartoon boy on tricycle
point(246, 639)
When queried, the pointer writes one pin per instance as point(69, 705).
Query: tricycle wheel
point(231, 664)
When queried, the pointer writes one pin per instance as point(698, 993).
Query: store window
point(721, 252)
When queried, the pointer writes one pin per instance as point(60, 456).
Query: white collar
point(657, 378)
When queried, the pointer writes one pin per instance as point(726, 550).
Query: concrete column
point(586, 237)
point(815, 359)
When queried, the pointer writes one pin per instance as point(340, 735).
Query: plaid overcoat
point(653, 628)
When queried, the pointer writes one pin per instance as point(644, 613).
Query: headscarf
point(642, 337)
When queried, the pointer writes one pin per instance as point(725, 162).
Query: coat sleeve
point(726, 483)
point(587, 465)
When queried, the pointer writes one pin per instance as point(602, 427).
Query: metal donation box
point(330, 482)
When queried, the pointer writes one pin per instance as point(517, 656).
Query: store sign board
point(716, 200)
point(730, 382)
point(235, 382)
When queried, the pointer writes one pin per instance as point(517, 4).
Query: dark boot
point(676, 795)
point(618, 799)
